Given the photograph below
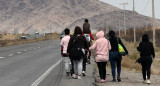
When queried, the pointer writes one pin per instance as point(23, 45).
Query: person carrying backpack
point(76, 50)
point(102, 46)
point(147, 53)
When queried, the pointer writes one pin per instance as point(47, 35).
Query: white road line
point(41, 78)
point(19, 52)
point(39, 47)
point(11, 55)
point(2, 57)
point(25, 50)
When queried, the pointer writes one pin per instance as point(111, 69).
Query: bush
point(3, 43)
point(139, 34)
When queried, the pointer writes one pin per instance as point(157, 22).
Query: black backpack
point(76, 52)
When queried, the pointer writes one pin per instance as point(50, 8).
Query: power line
point(146, 6)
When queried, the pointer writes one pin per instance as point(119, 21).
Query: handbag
point(139, 60)
point(121, 49)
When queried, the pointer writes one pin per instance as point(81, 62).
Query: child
point(64, 45)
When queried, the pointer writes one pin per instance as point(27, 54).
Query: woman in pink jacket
point(102, 46)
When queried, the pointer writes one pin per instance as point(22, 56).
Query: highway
point(24, 64)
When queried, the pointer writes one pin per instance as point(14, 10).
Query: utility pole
point(153, 22)
point(134, 22)
point(119, 24)
point(124, 4)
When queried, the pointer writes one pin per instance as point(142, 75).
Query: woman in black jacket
point(114, 57)
point(146, 50)
point(77, 42)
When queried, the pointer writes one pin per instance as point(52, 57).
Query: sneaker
point(83, 73)
point(88, 61)
point(73, 75)
point(147, 81)
point(114, 80)
point(76, 77)
point(79, 77)
point(102, 81)
point(118, 79)
point(105, 79)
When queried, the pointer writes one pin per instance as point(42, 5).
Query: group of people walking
point(78, 48)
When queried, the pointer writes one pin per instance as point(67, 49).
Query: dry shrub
point(2, 43)
point(18, 41)
point(139, 34)
point(155, 69)
point(130, 64)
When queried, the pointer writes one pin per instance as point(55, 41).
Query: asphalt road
point(26, 64)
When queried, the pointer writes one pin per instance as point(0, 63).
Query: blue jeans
point(115, 59)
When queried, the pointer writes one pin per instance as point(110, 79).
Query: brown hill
point(55, 15)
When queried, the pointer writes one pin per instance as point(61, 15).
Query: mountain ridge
point(55, 15)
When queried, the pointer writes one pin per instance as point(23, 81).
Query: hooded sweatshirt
point(102, 46)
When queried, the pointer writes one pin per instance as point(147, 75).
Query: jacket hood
point(100, 34)
point(145, 38)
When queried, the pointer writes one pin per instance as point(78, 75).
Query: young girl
point(102, 46)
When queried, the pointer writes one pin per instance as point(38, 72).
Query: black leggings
point(102, 69)
point(72, 65)
point(146, 67)
point(84, 63)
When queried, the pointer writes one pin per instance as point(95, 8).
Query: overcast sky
point(143, 7)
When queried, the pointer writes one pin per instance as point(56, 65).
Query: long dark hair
point(145, 38)
point(77, 30)
point(111, 33)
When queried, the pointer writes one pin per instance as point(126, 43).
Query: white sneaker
point(146, 81)
point(79, 77)
point(73, 75)
point(76, 77)
point(83, 73)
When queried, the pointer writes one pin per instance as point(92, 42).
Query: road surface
point(37, 64)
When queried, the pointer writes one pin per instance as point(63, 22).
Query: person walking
point(64, 44)
point(114, 56)
point(88, 34)
point(102, 46)
point(147, 53)
point(76, 50)
point(89, 37)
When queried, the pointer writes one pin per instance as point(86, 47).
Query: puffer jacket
point(102, 46)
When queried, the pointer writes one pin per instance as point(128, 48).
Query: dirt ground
point(128, 79)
